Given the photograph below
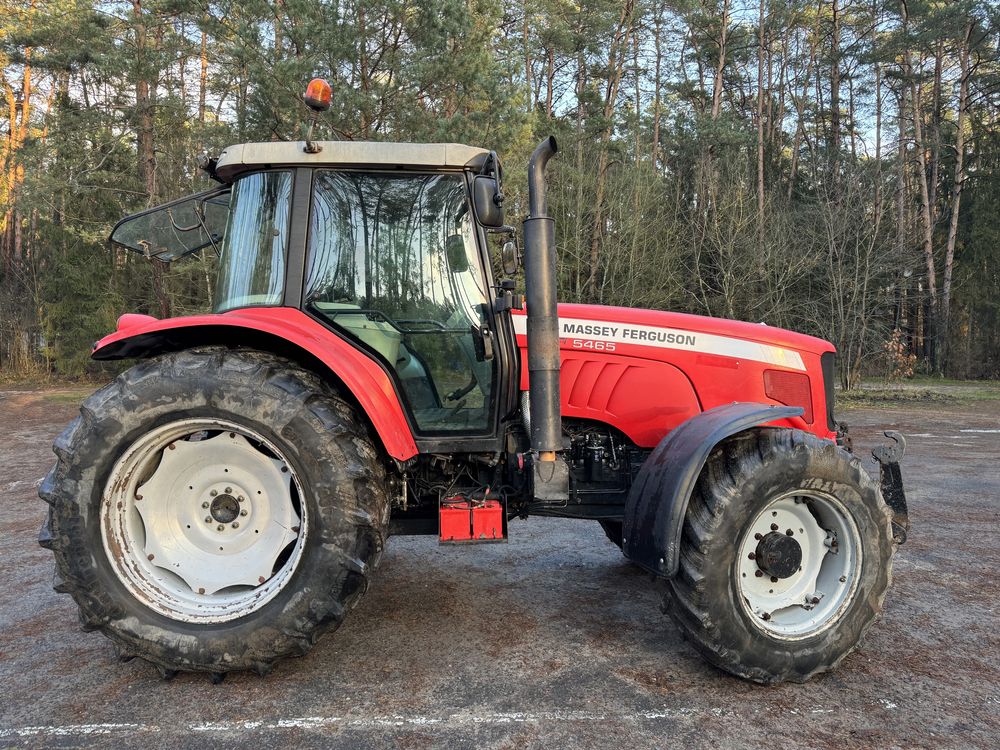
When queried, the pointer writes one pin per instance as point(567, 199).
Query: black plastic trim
point(295, 255)
point(828, 364)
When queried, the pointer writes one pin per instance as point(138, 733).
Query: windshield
point(252, 263)
point(173, 230)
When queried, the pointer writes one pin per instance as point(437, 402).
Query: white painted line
point(77, 730)
point(319, 723)
point(988, 432)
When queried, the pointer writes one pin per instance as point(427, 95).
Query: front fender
point(285, 331)
point(658, 499)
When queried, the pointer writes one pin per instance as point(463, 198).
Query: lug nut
point(204, 504)
point(208, 519)
point(240, 499)
point(228, 490)
point(213, 493)
point(814, 600)
point(774, 579)
point(774, 527)
point(766, 616)
point(220, 527)
point(758, 537)
point(752, 556)
point(243, 512)
point(789, 532)
point(759, 573)
point(236, 524)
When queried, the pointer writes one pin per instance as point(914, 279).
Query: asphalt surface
point(551, 640)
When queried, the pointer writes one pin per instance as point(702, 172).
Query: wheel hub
point(225, 508)
point(779, 555)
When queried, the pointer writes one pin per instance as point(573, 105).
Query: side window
point(393, 263)
point(252, 261)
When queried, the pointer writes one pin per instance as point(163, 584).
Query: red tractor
point(225, 501)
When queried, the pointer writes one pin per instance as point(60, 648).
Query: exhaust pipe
point(543, 317)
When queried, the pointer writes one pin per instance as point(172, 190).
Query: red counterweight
point(455, 520)
point(463, 520)
point(487, 521)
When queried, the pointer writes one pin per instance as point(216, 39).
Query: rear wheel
point(215, 510)
point(785, 558)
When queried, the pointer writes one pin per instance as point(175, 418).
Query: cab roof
point(246, 157)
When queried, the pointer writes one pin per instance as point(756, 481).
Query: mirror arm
point(505, 229)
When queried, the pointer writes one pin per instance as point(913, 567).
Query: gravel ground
point(549, 641)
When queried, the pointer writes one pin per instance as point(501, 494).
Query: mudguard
point(658, 500)
point(285, 331)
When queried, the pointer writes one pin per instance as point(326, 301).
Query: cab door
point(393, 264)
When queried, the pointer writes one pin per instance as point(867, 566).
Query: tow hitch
point(891, 480)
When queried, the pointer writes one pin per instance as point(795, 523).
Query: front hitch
point(891, 480)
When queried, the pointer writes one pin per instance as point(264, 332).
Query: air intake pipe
point(543, 317)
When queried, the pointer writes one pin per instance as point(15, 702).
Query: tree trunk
point(720, 65)
point(930, 322)
point(760, 124)
point(203, 77)
point(956, 191)
point(835, 88)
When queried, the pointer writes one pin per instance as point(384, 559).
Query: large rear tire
point(786, 556)
point(215, 510)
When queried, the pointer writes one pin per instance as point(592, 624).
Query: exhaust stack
point(543, 317)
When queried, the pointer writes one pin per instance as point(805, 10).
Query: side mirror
point(487, 200)
point(510, 258)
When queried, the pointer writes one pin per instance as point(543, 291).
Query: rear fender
point(658, 500)
point(286, 332)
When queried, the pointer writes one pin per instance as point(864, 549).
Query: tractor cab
point(379, 242)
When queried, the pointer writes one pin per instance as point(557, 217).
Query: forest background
point(831, 166)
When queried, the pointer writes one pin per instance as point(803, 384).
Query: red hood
point(758, 332)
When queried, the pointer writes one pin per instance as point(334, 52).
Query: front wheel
point(215, 510)
point(786, 556)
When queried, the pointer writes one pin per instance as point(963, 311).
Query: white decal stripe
point(671, 338)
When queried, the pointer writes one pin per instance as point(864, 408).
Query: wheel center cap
point(779, 555)
point(225, 508)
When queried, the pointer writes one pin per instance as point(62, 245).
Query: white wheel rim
point(200, 522)
point(813, 598)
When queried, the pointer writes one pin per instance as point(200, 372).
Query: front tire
point(215, 510)
point(786, 557)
